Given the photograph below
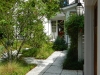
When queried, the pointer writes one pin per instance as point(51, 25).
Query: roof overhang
point(59, 16)
point(69, 7)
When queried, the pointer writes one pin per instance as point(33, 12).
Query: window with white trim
point(53, 26)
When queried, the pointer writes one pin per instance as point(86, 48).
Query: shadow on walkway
point(53, 66)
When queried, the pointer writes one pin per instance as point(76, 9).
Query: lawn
point(20, 67)
point(15, 68)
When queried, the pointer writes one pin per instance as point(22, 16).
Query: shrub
point(72, 54)
point(73, 25)
point(30, 52)
point(45, 51)
point(59, 44)
point(76, 65)
point(71, 62)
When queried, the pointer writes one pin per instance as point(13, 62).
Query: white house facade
point(55, 25)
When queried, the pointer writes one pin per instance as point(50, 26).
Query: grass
point(15, 68)
point(45, 51)
point(40, 53)
point(20, 67)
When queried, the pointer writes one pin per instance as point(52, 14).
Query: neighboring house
point(92, 38)
point(55, 26)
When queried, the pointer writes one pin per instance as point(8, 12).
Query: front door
point(61, 28)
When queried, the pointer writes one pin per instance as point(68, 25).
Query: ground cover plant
point(15, 68)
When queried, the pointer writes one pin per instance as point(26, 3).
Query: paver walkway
point(53, 66)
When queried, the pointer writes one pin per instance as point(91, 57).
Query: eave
point(69, 7)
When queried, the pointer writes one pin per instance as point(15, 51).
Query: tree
point(27, 17)
point(63, 3)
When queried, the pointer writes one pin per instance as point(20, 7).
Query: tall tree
point(26, 16)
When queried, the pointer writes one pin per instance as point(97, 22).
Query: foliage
point(71, 62)
point(30, 52)
point(74, 25)
point(59, 44)
point(26, 45)
point(76, 65)
point(45, 51)
point(39, 53)
point(1, 49)
point(63, 3)
point(39, 37)
point(22, 20)
point(51, 7)
point(15, 68)
point(72, 54)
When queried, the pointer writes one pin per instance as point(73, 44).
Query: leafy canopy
point(23, 19)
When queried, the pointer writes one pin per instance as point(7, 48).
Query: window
point(53, 26)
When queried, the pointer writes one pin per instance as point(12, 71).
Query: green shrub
point(72, 54)
point(71, 62)
point(30, 52)
point(73, 25)
point(73, 65)
point(45, 51)
point(59, 44)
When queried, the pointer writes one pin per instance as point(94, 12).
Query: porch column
point(88, 41)
point(80, 46)
point(98, 40)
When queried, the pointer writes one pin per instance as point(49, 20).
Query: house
point(55, 26)
point(92, 37)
